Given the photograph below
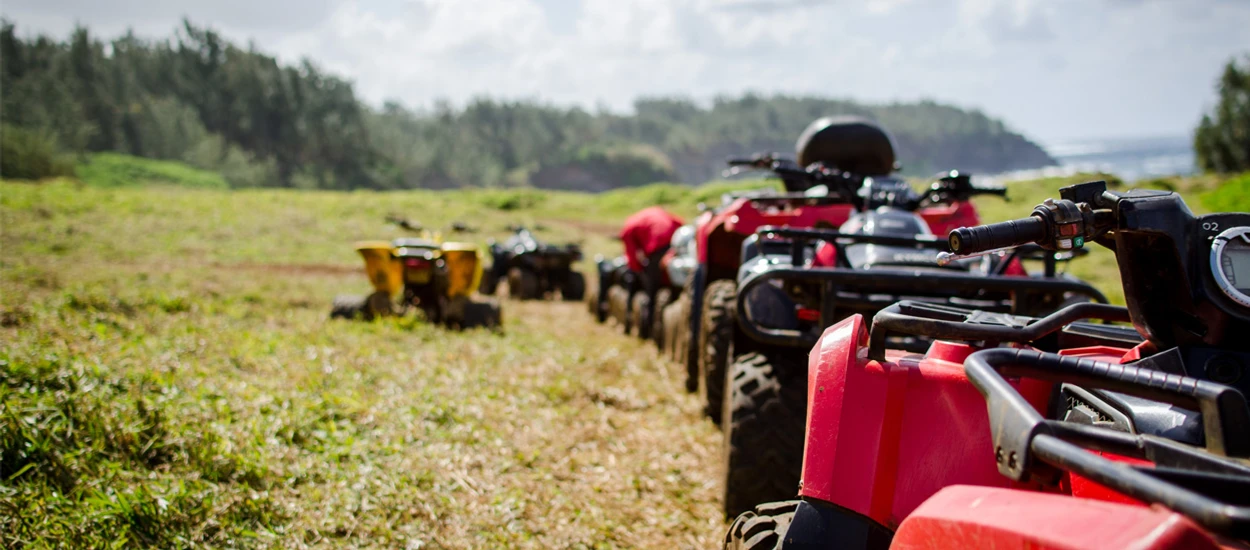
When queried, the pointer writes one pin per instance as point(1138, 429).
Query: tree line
point(1222, 140)
point(200, 99)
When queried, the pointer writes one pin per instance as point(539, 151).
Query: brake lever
point(947, 258)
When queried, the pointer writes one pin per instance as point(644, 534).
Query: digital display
point(1236, 264)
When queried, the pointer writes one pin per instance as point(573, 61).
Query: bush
point(1222, 141)
point(29, 155)
point(1231, 196)
point(116, 170)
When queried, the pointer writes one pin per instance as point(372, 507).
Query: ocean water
point(1131, 159)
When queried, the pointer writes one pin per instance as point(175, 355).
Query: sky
point(1055, 70)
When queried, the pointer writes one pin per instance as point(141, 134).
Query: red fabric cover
point(647, 230)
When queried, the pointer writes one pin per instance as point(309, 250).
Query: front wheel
point(762, 528)
point(763, 421)
point(715, 337)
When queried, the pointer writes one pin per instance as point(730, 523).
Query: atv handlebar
point(995, 190)
point(759, 161)
point(984, 238)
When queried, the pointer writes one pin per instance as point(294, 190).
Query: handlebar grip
point(741, 161)
point(982, 238)
point(997, 190)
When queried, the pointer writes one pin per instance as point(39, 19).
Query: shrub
point(30, 155)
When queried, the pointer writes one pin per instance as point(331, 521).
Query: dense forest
point(199, 99)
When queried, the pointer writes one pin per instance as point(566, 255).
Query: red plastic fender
point(984, 517)
point(743, 218)
point(883, 437)
point(943, 218)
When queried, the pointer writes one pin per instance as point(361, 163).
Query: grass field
point(169, 377)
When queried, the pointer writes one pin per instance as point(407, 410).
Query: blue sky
point(1053, 69)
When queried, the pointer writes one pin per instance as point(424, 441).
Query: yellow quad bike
point(436, 277)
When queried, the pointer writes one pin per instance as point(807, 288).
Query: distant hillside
point(200, 99)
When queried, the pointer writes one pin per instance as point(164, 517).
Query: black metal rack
point(1211, 485)
point(880, 288)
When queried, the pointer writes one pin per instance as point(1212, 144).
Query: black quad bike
point(534, 269)
point(794, 283)
point(1054, 432)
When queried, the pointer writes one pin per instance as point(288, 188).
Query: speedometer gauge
point(1230, 263)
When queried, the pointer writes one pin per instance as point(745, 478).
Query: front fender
point(883, 436)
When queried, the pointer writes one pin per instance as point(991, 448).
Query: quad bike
point(796, 282)
point(620, 296)
point(436, 277)
point(1063, 431)
point(851, 145)
point(533, 269)
point(713, 260)
point(617, 285)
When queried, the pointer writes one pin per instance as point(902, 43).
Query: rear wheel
point(485, 314)
point(662, 299)
point(348, 306)
point(640, 317)
point(715, 337)
point(764, 421)
point(592, 304)
point(763, 528)
point(379, 305)
point(618, 306)
point(490, 282)
point(574, 287)
point(522, 284)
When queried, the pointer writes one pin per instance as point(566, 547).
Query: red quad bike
point(708, 331)
point(794, 283)
point(1096, 435)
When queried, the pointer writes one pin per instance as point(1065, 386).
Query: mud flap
point(820, 525)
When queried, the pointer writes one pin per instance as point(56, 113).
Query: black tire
point(764, 422)
point(485, 314)
point(618, 306)
point(762, 528)
point(592, 304)
point(523, 284)
point(349, 306)
point(715, 338)
point(662, 299)
point(379, 304)
point(490, 282)
point(574, 287)
point(639, 315)
point(668, 327)
point(686, 345)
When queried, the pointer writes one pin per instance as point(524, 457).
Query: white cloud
point(1053, 68)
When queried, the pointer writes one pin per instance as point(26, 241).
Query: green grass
point(117, 170)
point(169, 377)
point(1232, 196)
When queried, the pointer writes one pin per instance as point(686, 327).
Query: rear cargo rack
point(1204, 484)
point(952, 323)
point(880, 288)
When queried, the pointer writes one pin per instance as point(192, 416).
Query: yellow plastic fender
point(464, 268)
point(384, 270)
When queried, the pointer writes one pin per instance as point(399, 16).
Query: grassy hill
point(169, 377)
